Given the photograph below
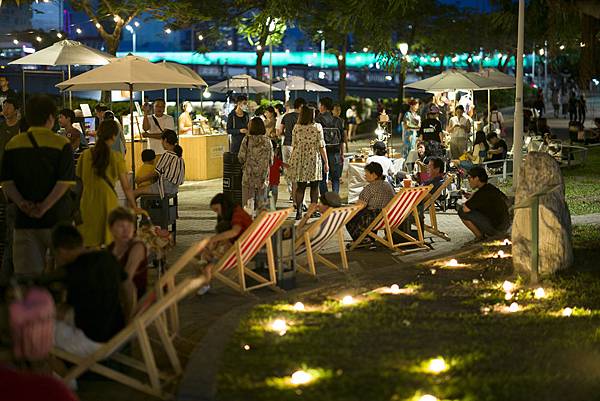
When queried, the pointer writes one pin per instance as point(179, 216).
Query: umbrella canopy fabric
point(129, 73)
point(66, 52)
point(184, 70)
point(241, 82)
point(300, 84)
point(455, 80)
point(504, 80)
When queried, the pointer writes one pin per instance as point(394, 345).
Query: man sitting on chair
point(486, 211)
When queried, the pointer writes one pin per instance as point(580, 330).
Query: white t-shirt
point(455, 130)
point(386, 164)
point(166, 122)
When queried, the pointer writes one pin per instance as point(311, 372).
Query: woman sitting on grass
point(232, 221)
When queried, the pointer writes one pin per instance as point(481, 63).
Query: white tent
point(300, 84)
point(242, 83)
point(65, 52)
point(129, 73)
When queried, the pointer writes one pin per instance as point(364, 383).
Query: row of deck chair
point(158, 309)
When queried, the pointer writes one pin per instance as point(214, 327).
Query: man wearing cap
point(486, 211)
point(431, 128)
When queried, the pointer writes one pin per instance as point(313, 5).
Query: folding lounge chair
point(429, 204)
point(157, 380)
point(246, 247)
point(392, 216)
point(314, 238)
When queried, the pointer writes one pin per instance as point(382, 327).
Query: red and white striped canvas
point(400, 207)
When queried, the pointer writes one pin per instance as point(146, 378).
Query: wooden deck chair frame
point(429, 205)
point(137, 328)
point(401, 211)
point(312, 252)
point(246, 247)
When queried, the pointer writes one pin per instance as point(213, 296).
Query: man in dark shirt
point(486, 211)
point(499, 149)
point(287, 126)
point(93, 283)
point(5, 93)
point(431, 128)
point(37, 171)
point(333, 133)
point(237, 123)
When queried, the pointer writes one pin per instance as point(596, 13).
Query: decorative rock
point(540, 172)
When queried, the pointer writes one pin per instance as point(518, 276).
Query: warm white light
point(347, 300)
point(508, 296)
point(168, 31)
point(428, 397)
point(298, 306)
point(206, 94)
point(541, 52)
point(499, 55)
point(395, 289)
point(340, 57)
point(403, 48)
point(388, 78)
point(452, 263)
point(229, 43)
point(581, 44)
point(539, 293)
point(116, 18)
point(365, 49)
point(39, 39)
point(98, 25)
point(200, 37)
point(59, 35)
point(15, 41)
point(567, 312)
point(507, 286)
point(79, 31)
point(247, 347)
point(475, 281)
point(136, 24)
point(514, 307)
point(433, 272)
point(437, 365)
point(129, 28)
point(321, 74)
point(506, 242)
point(301, 377)
point(259, 47)
point(501, 254)
point(562, 47)
point(280, 326)
point(287, 51)
point(470, 60)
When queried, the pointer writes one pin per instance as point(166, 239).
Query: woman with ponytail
point(99, 169)
point(170, 169)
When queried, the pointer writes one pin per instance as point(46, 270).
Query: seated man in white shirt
point(155, 124)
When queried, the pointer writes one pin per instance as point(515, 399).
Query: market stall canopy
point(184, 70)
point(129, 73)
point(300, 84)
point(504, 80)
point(453, 80)
point(66, 52)
point(241, 83)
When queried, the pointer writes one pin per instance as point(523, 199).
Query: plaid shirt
point(377, 194)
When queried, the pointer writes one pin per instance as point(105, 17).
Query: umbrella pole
point(132, 135)
point(489, 113)
point(70, 92)
point(201, 96)
point(23, 104)
point(177, 113)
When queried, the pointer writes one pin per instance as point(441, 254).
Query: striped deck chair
point(155, 382)
point(313, 239)
point(246, 247)
point(392, 216)
point(429, 205)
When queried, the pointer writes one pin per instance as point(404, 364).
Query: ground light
point(514, 307)
point(539, 293)
point(437, 365)
point(246, 347)
point(395, 289)
point(508, 286)
point(301, 377)
point(348, 300)
point(280, 326)
point(506, 242)
point(452, 263)
point(567, 312)
point(299, 306)
point(427, 397)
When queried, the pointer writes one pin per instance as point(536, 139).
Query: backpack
point(332, 136)
point(32, 324)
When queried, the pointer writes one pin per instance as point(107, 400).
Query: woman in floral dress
point(308, 158)
point(256, 155)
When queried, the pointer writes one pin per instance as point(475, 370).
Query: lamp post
point(518, 120)
point(133, 36)
point(272, 26)
point(403, 47)
point(322, 49)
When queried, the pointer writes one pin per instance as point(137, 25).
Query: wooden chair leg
point(271, 262)
point(168, 346)
point(240, 267)
point(309, 256)
point(342, 250)
point(148, 356)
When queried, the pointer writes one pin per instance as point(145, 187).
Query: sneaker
point(304, 208)
point(203, 290)
point(316, 215)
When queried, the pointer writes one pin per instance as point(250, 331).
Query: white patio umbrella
point(187, 71)
point(295, 83)
point(240, 82)
point(65, 52)
point(503, 80)
point(129, 73)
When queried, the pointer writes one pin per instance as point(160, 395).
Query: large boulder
point(540, 172)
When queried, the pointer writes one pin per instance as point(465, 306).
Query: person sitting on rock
point(486, 212)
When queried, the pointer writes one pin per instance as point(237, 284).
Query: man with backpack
point(333, 133)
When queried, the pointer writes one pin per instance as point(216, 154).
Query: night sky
point(481, 5)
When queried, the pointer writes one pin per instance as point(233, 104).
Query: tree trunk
point(469, 63)
point(442, 57)
point(504, 66)
point(342, 70)
point(588, 66)
point(259, 58)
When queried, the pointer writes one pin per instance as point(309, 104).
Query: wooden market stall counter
point(203, 155)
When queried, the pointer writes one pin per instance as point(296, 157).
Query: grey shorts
point(169, 187)
point(481, 221)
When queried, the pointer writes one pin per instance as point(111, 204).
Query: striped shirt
point(171, 167)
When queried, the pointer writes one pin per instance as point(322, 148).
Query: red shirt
point(25, 386)
point(240, 218)
point(275, 171)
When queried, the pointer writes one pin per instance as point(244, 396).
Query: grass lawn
point(582, 185)
point(380, 347)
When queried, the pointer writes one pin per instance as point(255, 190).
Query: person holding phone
point(155, 124)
